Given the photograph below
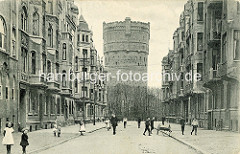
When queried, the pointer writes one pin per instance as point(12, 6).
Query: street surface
point(126, 141)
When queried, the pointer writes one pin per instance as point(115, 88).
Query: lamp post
point(95, 99)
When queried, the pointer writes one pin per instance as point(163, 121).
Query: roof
point(83, 25)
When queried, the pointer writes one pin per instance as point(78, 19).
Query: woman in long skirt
point(82, 127)
point(8, 137)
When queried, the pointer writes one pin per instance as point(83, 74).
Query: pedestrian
point(195, 125)
point(139, 122)
point(107, 122)
point(55, 129)
point(152, 124)
point(24, 140)
point(59, 130)
point(82, 127)
point(8, 137)
point(163, 119)
point(125, 122)
point(114, 122)
point(147, 124)
point(182, 123)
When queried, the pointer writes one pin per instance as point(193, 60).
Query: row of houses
point(206, 43)
point(39, 39)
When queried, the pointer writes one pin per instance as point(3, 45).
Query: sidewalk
point(44, 139)
point(208, 141)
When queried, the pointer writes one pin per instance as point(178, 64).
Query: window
point(76, 85)
point(24, 19)
point(70, 54)
point(99, 96)
point(76, 63)
point(199, 41)
point(24, 59)
point(52, 105)
point(35, 24)
point(87, 38)
point(83, 37)
point(2, 33)
point(13, 42)
point(85, 53)
point(64, 81)
point(64, 51)
point(58, 106)
point(49, 67)
point(50, 7)
point(224, 48)
point(57, 55)
point(33, 63)
point(200, 69)
point(78, 37)
point(200, 11)
point(6, 92)
point(50, 36)
point(92, 60)
point(84, 69)
point(44, 63)
point(236, 47)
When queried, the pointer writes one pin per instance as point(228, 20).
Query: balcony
point(24, 77)
point(53, 85)
point(37, 80)
point(66, 91)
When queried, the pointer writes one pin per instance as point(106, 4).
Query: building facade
point(206, 42)
point(38, 55)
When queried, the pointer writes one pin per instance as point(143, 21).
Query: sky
point(163, 16)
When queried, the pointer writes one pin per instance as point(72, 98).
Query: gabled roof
point(83, 25)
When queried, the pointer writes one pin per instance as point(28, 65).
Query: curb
point(61, 142)
point(188, 144)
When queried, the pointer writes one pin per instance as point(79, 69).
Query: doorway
point(22, 108)
point(210, 120)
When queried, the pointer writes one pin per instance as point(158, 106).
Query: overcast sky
point(163, 16)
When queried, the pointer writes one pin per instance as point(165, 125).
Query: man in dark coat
point(182, 123)
point(139, 122)
point(147, 124)
point(152, 124)
point(114, 122)
point(163, 120)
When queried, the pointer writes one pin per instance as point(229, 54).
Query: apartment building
point(206, 42)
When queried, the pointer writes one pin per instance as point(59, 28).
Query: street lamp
point(95, 99)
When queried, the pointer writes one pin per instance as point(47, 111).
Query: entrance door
point(209, 120)
point(22, 108)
